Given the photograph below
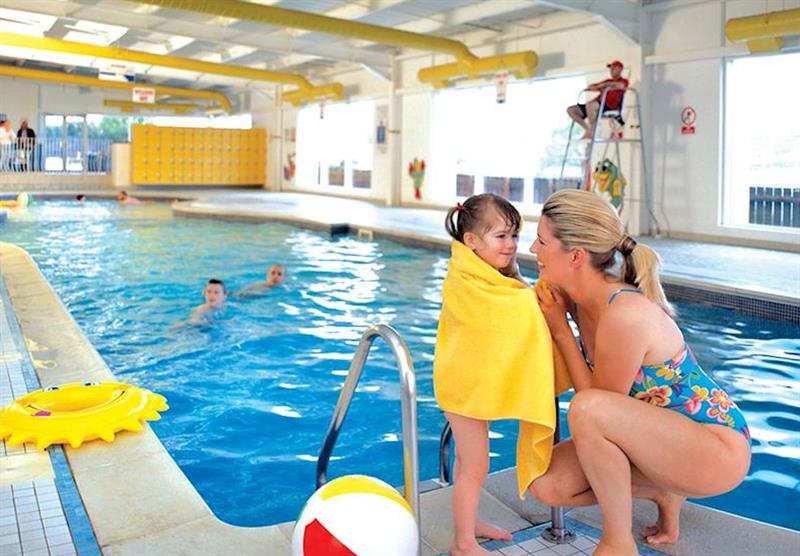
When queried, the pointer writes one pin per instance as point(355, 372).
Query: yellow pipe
point(189, 64)
point(55, 77)
point(129, 106)
point(764, 32)
point(334, 92)
point(520, 64)
point(272, 15)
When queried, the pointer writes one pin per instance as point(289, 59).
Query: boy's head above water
point(215, 292)
point(275, 275)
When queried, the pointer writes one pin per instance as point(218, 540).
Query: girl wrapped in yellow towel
point(493, 358)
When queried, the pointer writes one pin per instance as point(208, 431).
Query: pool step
point(704, 531)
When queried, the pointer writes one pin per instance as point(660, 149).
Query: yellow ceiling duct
point(128, 106)
point(69, 79)
point(56, 45)
point(764, 32)
point(467, 65)
point(519, 64)
point(334, 91)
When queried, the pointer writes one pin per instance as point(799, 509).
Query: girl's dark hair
point(473, 215)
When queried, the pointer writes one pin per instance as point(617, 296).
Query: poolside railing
point(408, 411)
point(72, 155)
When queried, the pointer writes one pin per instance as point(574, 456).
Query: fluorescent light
point(91, 32)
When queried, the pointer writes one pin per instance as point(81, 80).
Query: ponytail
point(582, 219)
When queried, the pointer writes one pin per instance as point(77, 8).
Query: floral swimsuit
point(681, 384)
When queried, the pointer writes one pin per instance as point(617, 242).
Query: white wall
point(685, 67)
point(19, 99)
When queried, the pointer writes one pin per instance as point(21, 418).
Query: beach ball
point(356, 515)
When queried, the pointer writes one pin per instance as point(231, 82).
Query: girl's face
point(552, 258)
point(498, 245)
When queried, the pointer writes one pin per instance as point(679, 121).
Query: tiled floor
point(32, 519)
point(530, 541)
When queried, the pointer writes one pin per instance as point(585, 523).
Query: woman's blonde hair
point(582, 219)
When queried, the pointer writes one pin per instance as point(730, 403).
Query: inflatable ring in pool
point(23, 200)
point(79, 411)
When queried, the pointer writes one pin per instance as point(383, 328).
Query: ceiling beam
point(621, 16)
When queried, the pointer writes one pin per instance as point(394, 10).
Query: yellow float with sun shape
point(76, 412)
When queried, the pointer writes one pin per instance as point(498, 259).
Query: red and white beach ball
point(356, 515)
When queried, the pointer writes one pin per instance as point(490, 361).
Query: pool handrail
point(408, 399)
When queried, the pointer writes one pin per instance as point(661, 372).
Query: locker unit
point(197, 156)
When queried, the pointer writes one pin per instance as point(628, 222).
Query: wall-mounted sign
point(501, 79)
point(144, 94)
point(688, 116)
point(115, 71)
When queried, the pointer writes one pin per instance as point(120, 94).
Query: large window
point(514, 149)
point(336, 150)
point(762, 142)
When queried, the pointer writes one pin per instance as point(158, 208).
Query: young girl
point(493, 360)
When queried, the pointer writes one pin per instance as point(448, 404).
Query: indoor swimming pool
point(251, 393)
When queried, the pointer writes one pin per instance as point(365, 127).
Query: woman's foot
point(667, 529)
point(626, 548)
point(489, 531)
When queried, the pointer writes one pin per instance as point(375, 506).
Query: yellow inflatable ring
point(79, 411)
point(23, 200)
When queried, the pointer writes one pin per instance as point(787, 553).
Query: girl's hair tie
point(459, 207)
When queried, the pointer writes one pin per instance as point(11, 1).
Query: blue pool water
point(251, 395)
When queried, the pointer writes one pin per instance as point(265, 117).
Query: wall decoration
point(416, 169)
point(289, 168)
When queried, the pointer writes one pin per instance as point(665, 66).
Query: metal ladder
point(408, 399)
point(614, 115)
point(557, 532)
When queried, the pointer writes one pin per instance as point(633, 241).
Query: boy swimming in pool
point(216, 294)
point(275, 276)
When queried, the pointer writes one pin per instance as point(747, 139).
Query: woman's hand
point(554, 308)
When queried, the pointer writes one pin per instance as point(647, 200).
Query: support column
point(394, 138)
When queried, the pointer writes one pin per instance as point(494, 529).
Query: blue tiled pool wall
point(748, 305)
point(74, 510)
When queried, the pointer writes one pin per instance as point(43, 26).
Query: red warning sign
point(688, 116)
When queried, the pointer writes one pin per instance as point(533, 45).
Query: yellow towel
point(494, 357)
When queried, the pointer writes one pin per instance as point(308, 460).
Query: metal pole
point(409, 410)
point(557, 532)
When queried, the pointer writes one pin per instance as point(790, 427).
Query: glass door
point(76, 143)
point(53, 147)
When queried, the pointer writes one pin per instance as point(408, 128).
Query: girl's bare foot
point(667, 529)
point(471, 550)
point(627, 548)
point(489, 531)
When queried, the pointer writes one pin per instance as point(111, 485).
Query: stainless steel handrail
point(408, 398)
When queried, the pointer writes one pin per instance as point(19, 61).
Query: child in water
point(216, 295)
point(276, 274)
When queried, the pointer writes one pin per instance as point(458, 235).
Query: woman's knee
point(546, 490)
point(585, 408)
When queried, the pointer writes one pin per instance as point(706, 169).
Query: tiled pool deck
point(41, 512)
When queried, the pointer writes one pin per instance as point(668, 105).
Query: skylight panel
point(91, 32)
point(27, 23)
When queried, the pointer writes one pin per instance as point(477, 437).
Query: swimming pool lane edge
point(136, 497)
